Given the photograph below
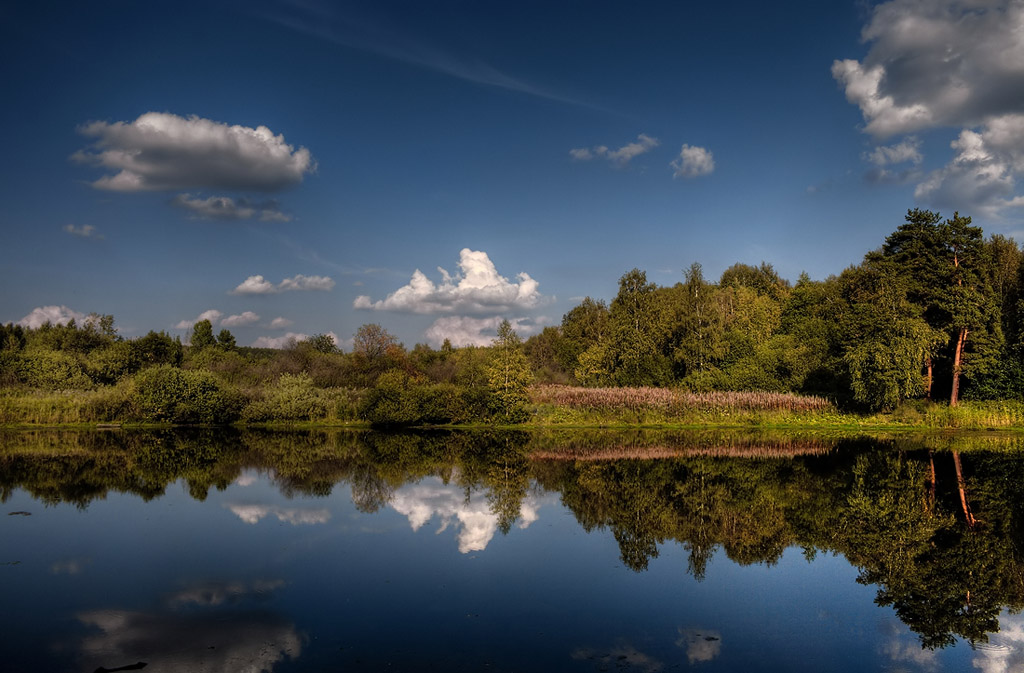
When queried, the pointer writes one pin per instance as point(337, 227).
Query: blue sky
point(285, 168)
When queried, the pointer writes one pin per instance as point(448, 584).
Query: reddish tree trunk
point(928, 379)
point(968, 516)
point(960, 340)
point(931, 483)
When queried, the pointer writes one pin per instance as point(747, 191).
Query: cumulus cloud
point(227, 208)
point(213, 315)
point(942, 64)
point(162, 151)
point(622, 156)
point(55, 315)
point(204, 641)
point(909, 149)
point(286, 341)
point(478, 289)
point(884, 157)
point(260, 285)
point(693, 162)
point(84, 231)
point(982, 177)
point(289, 340)
point(241, 320)
point(475, 523)
point(281, 323)
point(1005, 650)
point(946, 63)
point(701, 644)
point(467, 331)
point(253, 514)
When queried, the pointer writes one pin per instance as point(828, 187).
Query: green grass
point(567, 407)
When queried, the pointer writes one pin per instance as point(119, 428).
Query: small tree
point(226, 340)
point(509, 374)
point(202, 335)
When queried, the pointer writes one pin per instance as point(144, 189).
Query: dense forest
point(934, 313)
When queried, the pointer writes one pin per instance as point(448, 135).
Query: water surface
point(259, 551)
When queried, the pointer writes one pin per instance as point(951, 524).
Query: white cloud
point(907, 150)
point(466, 331)
point(260, 285)
point(302, 283)
point(162, 151)
point(214, 594)
point(981, 178)
point(937, 63)
point(286, 341)
point(193, 641)
point(255, 285)
point(55, 315)
point(227, 208)
point(252, 514)
point(948, 63)
point(693, 162)
point(241, 320)
point(479, 289)
point(701, 644)
point(213, 315)
point(281, 323)
point(84, 231)
point(622, 156)
point(476, 523)
point(1005, 650)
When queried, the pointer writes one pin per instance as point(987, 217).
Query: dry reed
point(669, 400)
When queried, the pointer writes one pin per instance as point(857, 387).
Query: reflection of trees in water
point(938, 531)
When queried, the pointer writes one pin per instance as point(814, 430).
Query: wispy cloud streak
point(323, 22)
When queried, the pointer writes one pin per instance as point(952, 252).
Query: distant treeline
point(934, 313)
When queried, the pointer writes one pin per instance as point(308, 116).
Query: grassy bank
point(631, 407)
point(549, 407)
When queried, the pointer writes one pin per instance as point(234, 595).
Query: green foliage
point(51, 370)
point(398, 399)
point(109, 365)
point(157, 348)
point(509, 375)
point(226, 340)
point(202, 335)
point(293, 397)
point(169, 395)
point(12, 337)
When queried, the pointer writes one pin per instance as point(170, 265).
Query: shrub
point(167, 394)
point(398, 399)
point(292, 398)
point(52, 370)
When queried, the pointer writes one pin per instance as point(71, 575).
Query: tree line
point(934, 313)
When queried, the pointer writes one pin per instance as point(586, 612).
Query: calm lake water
point(336, 551)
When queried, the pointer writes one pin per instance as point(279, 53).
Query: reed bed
point(670, 400)
point(656, 444)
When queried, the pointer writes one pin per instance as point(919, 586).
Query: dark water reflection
point(260, 551)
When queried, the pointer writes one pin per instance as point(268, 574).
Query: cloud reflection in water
point(477, 524)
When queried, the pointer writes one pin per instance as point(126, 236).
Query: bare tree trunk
point(968, 516)
point(931, 483)
point(928, 379)
point(960, 340)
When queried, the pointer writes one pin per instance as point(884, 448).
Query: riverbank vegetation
point(931, 319)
